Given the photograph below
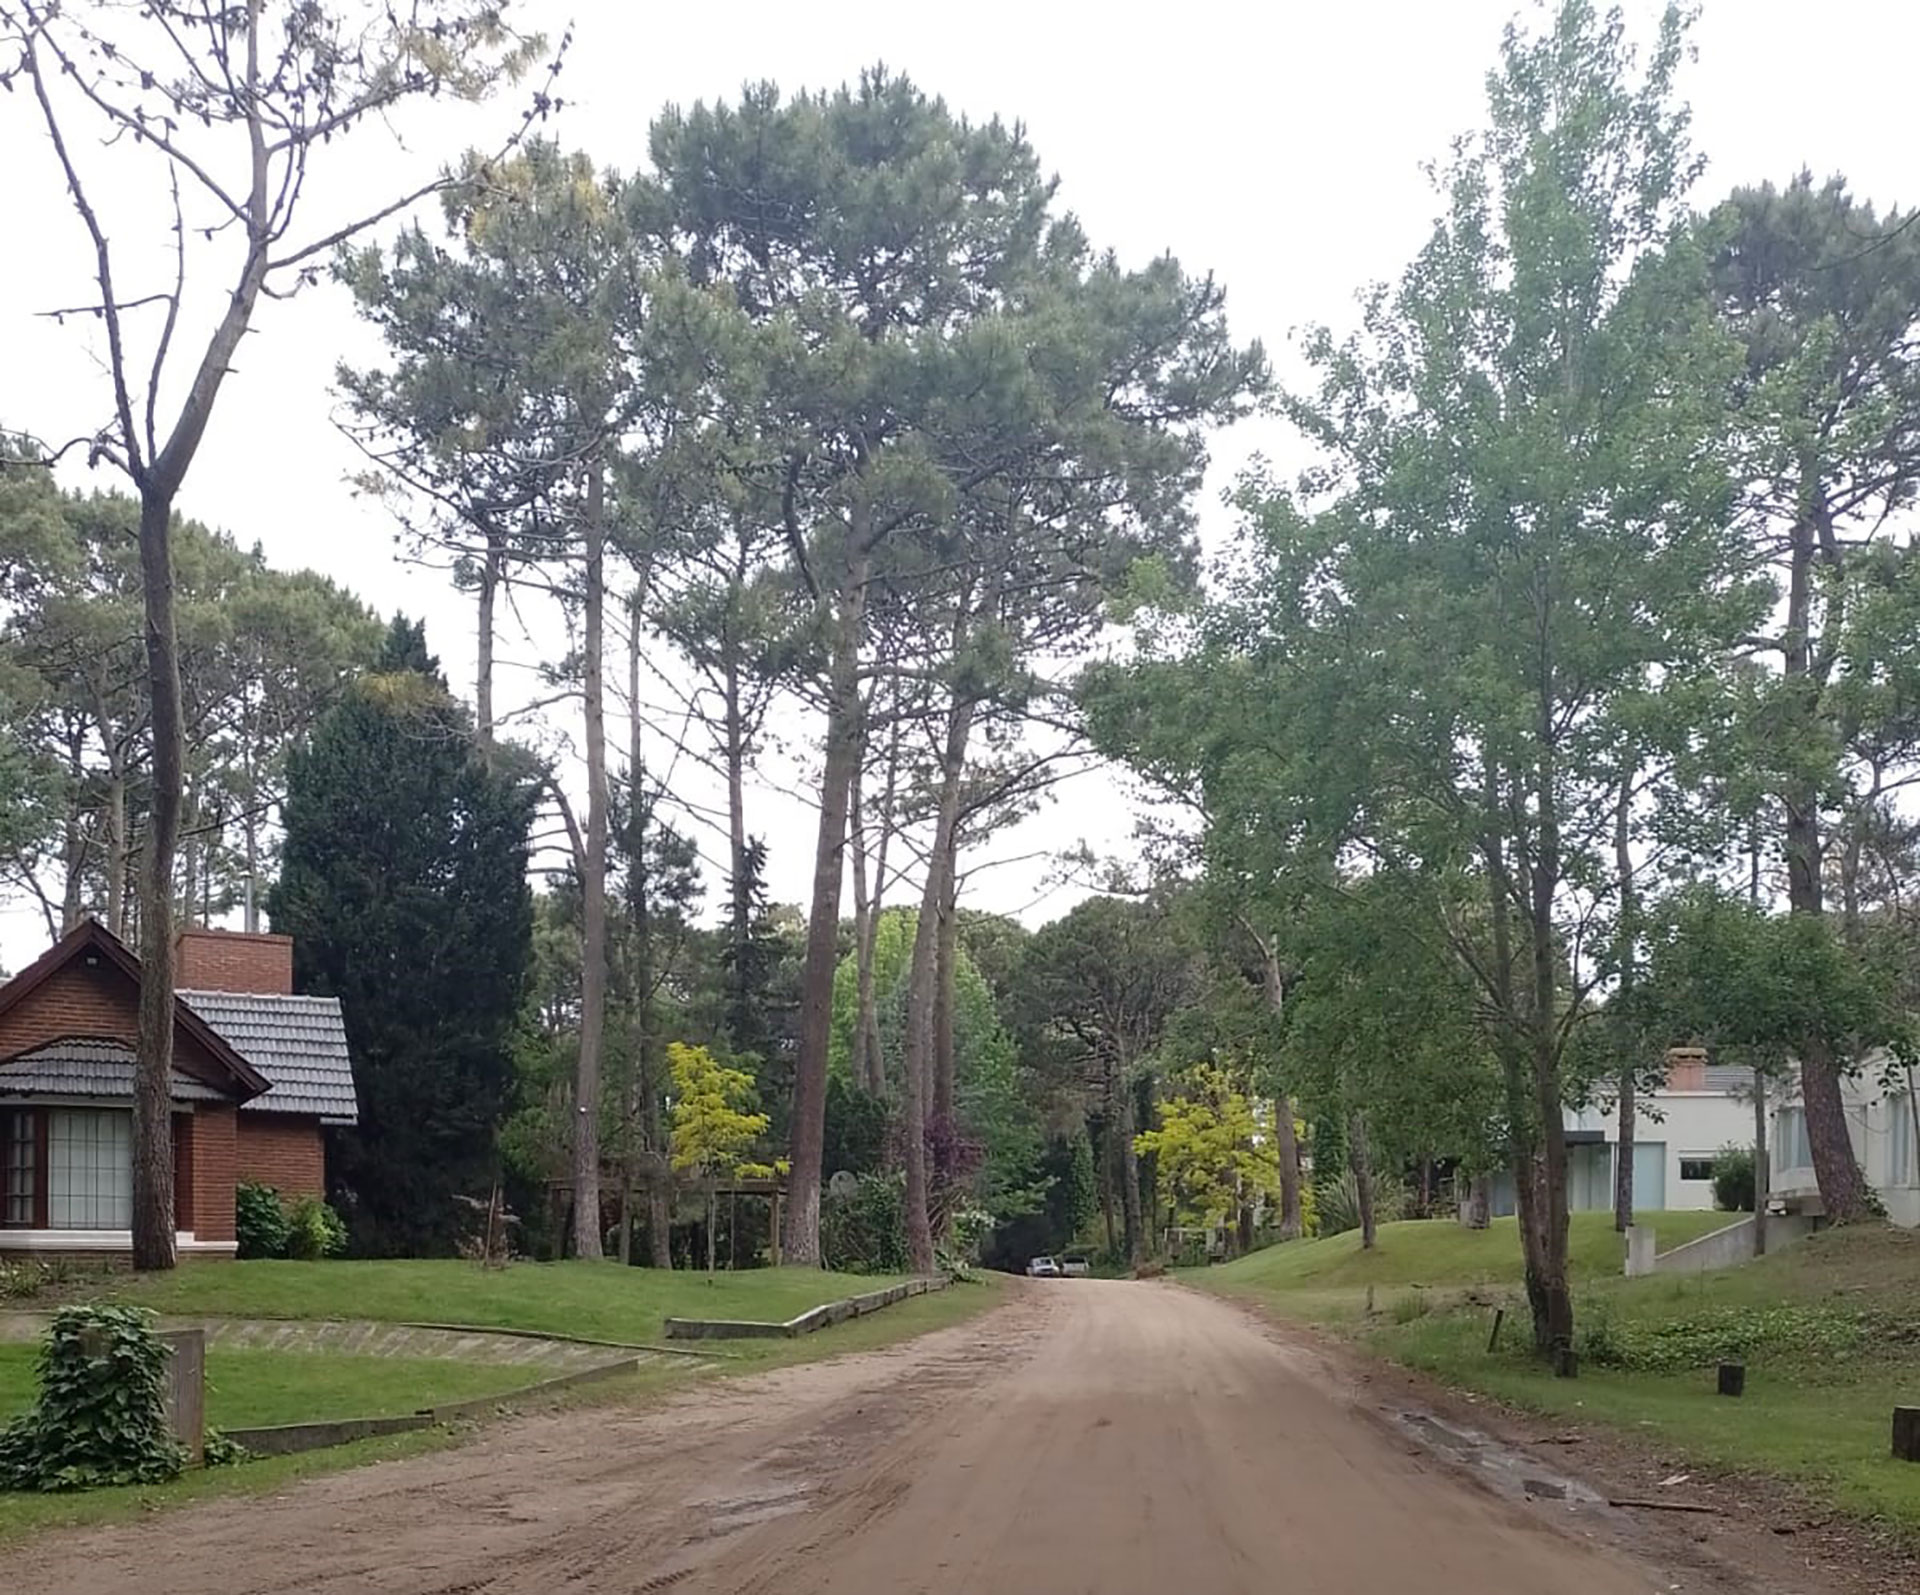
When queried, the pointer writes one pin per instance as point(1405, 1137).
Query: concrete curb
point(544, 1334)
point(833, 1312)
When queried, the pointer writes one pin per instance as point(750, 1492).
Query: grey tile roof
point(88, 1068)
point(298, 1043)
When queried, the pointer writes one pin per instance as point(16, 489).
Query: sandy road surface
point(1110, 1438)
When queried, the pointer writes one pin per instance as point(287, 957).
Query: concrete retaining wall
point(1723, 1248)
point(284, 1438)
point(833, 1312)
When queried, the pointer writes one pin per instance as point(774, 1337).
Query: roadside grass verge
point(1328, 1279)
point(250, 1389)
point(1829, 1331)
point(594, 1300)
point(25, 1515)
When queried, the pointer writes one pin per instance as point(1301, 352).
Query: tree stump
point(1733, 1378)
point(1906, 1433)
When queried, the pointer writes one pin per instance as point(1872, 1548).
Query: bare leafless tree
point(221, 105)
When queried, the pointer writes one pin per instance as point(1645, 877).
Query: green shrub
point(1337, 1203)
point(260, 1221)
point(101, 1417)
point(1809, 1333)
point(865, 1232)
point(218, 1449)
point(314, 1231)
point(27, 1278)
point(1733, 1179)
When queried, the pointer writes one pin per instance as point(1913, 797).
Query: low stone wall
point(833, 1312)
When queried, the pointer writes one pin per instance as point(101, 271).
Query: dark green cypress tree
point(404, 888)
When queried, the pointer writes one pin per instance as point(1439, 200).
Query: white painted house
point(1881, 1123)
point(1704, 1107)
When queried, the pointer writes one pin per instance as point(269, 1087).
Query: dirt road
point(1110, 1438)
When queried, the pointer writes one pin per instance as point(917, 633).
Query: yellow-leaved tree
point(714, 1123)
point(1211, 1154)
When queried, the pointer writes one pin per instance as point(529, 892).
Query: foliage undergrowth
point(100, 1418)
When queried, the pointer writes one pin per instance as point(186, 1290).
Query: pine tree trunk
point(491, 566)
point(1842, 1191)
point(153, 1194)
point(117, 848)
point(862, 925)
point(593, 887)
point(1360, 1160)
point(73, 862)
point(946, 958)
point(625, 1247)
point(1762, 1170)
point(740, 896)
point(918, 1066)
point(801, 1243)
point(1106, 1189)
point(868, 1013)
point(1120, 1118)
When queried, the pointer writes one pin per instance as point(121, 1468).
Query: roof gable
point(90, 946)
point(298, 1043)
point(87, 1066)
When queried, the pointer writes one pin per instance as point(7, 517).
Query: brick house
point(257, 1074)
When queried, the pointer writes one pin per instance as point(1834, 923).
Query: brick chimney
point(233, 960)
point(1686, 1068)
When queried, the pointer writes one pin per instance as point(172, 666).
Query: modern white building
point(1704, 1107)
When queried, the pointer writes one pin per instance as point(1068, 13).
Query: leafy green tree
point(404, 888)
point(1210, 1156)
point(261, 653)
point(713, 1124)
point(1099, 986)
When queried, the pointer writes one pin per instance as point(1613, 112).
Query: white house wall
point(1687, 1126)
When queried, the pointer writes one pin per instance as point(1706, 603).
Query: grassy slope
point(246, 1389)
point(599, 1301)
point(1329, 1278)
point(1818, 1417)
point(24, 1515)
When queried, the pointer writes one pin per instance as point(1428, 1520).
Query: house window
point(19, 1169)
point(1696, 1168)
point(1903, 1165)
point(89, 1169)
point(1790, 1131)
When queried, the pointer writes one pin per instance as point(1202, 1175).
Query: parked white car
point(1043, 1268)
point(1075, 1267)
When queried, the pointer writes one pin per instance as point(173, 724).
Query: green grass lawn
point(23, 1515)
point(1328, 1279)
point(598, 1301)
point(250, 1389)
point(1829, 1330)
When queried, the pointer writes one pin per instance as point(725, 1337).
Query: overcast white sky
point(1278, 146)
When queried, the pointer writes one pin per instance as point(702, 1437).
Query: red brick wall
point(213, 1162)
point(283, 1150)
point(99, 1002)
point(233, 960)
